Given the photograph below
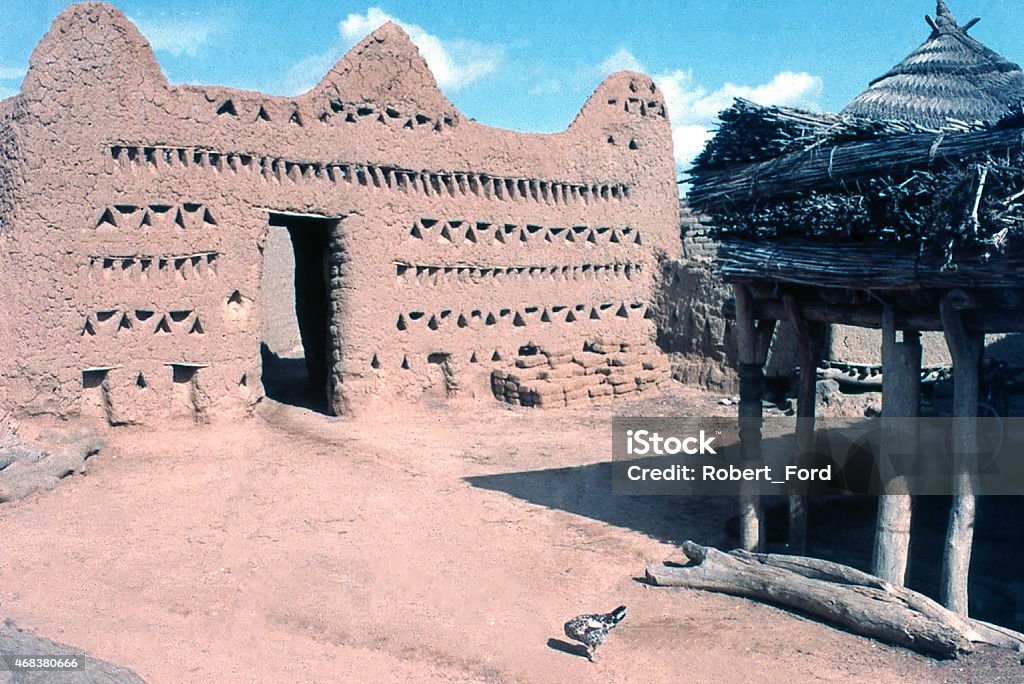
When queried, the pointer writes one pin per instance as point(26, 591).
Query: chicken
point(592, 630)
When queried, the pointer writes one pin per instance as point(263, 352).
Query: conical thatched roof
point(950, 76)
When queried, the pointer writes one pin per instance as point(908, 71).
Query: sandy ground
point(423, 544)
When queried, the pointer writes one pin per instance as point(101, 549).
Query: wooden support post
point(901, 398)
point(966, 349)
point(765, 335)
point(810, 337)
point(753, 341)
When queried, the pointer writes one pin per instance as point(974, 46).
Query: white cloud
point(546, 86)
point(688, 140)
point(357, 26)
point(177, 36)
point(308, 71)
point(693, 108)
point(621, 60)
point(8, 75)
point(12, 73)
point(456, 64)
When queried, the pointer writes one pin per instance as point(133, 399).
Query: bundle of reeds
point(749, 132)
point(858, 179)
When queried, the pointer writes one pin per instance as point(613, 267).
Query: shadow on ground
point(286, 380)
point(586, 491)
point(571, 649)
point(841, 528)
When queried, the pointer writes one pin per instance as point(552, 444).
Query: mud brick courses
point(601, 370)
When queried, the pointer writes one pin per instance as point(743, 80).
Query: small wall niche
point(95, 399)
point(93, 378)
point(189, 397)
point(184, 373)
point(442, 380)
point(237, 306)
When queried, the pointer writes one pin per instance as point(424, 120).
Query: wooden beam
point(901, 398)
point(750, 352)
point(867, 316)
point(963, 300)
point(810, 337)
point(770, 265)
point(765, 336)
point(966, 348)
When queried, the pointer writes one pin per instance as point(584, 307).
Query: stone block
point(602, 347)
point(588, 359)
point(531, 361)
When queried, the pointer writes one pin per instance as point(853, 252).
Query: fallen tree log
point(841, 595)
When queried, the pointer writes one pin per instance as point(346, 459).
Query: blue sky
point(529, 65)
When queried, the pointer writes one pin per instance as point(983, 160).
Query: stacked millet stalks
point(774, 172)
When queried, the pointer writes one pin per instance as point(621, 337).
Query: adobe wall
point(692, 326)
point(863, 346)
point(279, 325)
point(133, 256)
point(12, 174)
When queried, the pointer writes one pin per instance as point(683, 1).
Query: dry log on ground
point(841, 595)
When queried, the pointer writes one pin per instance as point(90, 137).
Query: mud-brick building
point(135, 215)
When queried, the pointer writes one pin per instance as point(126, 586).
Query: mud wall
point(279, 325)
point(692, 327)
point(135, 245)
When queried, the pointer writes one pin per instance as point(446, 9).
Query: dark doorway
point(302, 381)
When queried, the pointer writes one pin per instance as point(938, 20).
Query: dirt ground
point(421, 544)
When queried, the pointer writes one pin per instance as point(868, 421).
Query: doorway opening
point(295, 294)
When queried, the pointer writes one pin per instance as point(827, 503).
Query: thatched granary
point(904, 213)
point(950, 76)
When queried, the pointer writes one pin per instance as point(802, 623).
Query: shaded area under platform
point(996, 585)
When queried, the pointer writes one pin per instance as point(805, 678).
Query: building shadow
point(841, 528)
point(286, 380)
point(586, 491)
